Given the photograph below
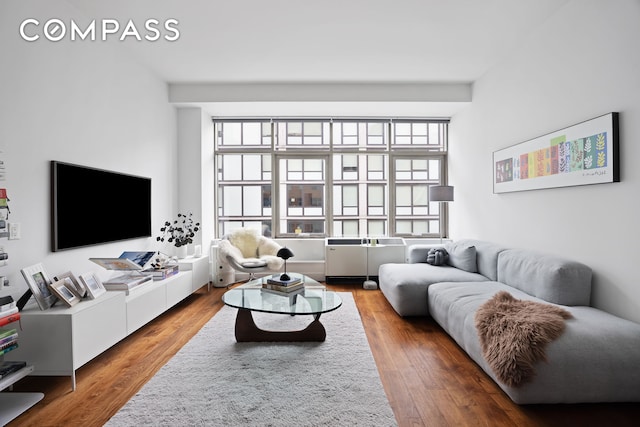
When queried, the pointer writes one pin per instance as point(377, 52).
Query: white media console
point(60, 340)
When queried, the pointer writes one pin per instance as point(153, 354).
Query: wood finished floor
point(429, 380)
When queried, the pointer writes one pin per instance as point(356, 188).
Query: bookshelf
point(14, 404)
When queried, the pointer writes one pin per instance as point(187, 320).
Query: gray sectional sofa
point(595, 359)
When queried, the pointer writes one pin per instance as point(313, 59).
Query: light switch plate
point(14, 230)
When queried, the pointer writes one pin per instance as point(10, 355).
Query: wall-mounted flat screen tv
point(91, 206)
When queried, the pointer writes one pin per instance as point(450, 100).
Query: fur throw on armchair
point(246, 246)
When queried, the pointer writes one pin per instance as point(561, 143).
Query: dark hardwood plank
point(428, 379)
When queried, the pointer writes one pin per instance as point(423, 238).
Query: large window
point(330, 177)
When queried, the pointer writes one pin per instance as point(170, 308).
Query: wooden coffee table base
point(248, 331)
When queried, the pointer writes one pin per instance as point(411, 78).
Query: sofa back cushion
point(462, 256)
point(552, 278)
point(486, 256)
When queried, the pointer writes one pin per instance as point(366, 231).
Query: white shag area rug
point(215, 381)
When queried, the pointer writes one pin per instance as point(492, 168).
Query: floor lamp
point(441, 193)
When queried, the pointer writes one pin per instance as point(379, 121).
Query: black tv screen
point(92, 206)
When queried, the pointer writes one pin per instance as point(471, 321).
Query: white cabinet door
point(345, 260)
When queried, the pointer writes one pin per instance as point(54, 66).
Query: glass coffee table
point(314, 300)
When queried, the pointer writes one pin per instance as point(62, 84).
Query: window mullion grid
point(389, 154)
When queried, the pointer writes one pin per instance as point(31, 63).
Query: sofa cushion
point(552, 278)
point(486, 256)
point(462, 256)
point(405, 285)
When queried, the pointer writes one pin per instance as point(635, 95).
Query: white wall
point(584, 62)
point(80, 102)
point(195, 169)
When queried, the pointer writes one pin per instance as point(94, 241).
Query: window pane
point(350, 197)
point(294, 129)
point(302, 204)
point(231, 198)
point(420, 195)
point(420, 227)
point(376, 195)
point(313, 128)
point(403, 195)
point(252, 201)
point(232, 168)
point(419, 129)
point(294, 164)
point(252, 134)
point(376, 228)
point(251, 167)
point(232, 134)
point(350, 229)
point(403, 227)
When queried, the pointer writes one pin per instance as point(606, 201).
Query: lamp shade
point(441, 193)
point(284, 253)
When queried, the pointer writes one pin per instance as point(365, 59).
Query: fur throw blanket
point(514, 333)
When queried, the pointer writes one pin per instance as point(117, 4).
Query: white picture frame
point(93, 285)
point(77, 285)
point(65, 291)
point(38, 281)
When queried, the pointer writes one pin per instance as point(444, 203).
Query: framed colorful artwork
point(582, 154)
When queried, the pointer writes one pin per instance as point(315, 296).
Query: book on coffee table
point(281, 288)
point(276, 280)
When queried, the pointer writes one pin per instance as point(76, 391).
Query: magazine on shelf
point(8, 368)
point(9, 311)
point(5, 320)
point(127, 282)
point(140, 258)
point(8, 339)
point(162, 273)
point(8, 348)
point(7, 332)
point(9, 343)
point(119, 264)
point(6, 303)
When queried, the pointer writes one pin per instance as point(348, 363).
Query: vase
point(181, 251)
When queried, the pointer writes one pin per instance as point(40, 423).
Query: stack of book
point(275, 283)
point(127, 282)
point(8, 314)
point(8, 311)
point(162, 273)
point(8, 340)
point(7, 368)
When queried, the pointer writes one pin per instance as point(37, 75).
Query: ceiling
point(345, 41)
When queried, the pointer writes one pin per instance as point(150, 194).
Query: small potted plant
point(180, 233)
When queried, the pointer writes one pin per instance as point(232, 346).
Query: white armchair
point(249, 252)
